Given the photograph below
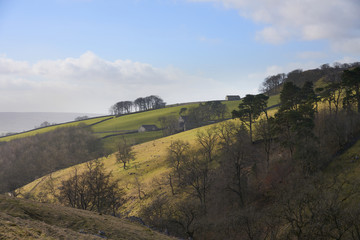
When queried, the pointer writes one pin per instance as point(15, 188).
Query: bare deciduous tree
point(125, 153)
point(94, 190)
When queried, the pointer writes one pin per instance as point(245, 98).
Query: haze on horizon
point(85, 55)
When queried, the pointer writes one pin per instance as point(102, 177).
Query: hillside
point(24, 219)
point(111, 129)
point(15, 122)
point(149, 164)
point(295, 174)
point(33, 132)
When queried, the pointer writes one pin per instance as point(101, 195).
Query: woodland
point(288, 171)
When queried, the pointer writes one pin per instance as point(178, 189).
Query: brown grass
point(24, 219)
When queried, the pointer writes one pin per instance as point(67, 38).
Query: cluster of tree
point(250, 109)
point(94, 189)
point(273, 84)
point(204, 174)
point(193, 117)
point(204, 113)
point(23, 160)
point(140, 104)
point(45, 124)
point(169, 125)
point(271, 188)
point(79, 118)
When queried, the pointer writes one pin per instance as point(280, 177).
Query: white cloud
point(350, 45)
point(335, 20)
point(271, 35)
point(92, 84)
point(311, 55)
point(9, 66)
point(348, 59)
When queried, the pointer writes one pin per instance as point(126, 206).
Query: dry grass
point(148, 166)
point(23, 219)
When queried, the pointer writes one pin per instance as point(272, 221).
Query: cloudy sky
point(85, 55)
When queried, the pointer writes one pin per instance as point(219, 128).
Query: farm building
point(147, 128)
point(232, 97)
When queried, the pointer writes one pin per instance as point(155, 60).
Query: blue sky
point(85, 55)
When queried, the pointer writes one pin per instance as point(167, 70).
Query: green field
point(89, 121)
point(134, 121)
point(116, 125)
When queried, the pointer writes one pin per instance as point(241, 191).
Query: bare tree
point(238, 159)
point(271, 84)
point(140, 103)
point(208, 140)
point(264, 132)
point(125, 152)
point(176, 156)
point(94, 189)
point(169, 125)
point(196, 173)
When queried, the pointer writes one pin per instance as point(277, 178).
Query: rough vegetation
point(285, 173)
point(23, 160)
point(23, 219)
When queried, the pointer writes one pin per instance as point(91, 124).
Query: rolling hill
point(148, 165)
point(313, 172)
point(111, 128)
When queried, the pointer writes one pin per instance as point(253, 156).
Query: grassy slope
point(128, 122)
point(347, 165)
point(149, 164)
point(23, 219)
point(134, 121)
point(50, 128)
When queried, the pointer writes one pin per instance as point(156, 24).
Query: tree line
point(272, 84)
point(193, 117)
point(139, 104)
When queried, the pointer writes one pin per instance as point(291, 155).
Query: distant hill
point(272, 85)
point(24, 121)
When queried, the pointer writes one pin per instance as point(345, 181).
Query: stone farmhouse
point(148, 128)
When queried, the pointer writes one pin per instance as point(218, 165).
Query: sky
point(86, 55)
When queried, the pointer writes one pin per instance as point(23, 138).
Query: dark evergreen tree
point(351, 82)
